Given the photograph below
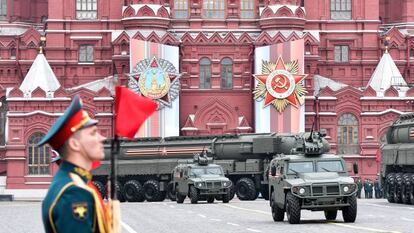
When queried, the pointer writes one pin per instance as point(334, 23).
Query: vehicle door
point(278, 181)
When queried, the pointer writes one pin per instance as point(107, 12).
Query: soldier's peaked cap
point(72, 120)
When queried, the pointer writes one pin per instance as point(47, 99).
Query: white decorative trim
point(327, 113)
point(37, 183)
point(381, 113)
point(104, 114)
point(387, 98)
point(86, 37)
point(103, 98)
point(15, 114)
point(38, 99)
point(15, 158)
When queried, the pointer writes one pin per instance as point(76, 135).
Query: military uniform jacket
point(71, 205)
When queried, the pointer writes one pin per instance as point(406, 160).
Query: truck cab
point(200, 181)
point(316, 183)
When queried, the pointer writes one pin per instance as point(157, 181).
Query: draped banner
point(154, 74)
point(279, 92)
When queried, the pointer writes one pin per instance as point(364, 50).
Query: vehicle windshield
point(300, 167)
point(330, 166)
point(206, 171)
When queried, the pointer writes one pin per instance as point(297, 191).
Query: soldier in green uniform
point(72, 204)
point(359, 185)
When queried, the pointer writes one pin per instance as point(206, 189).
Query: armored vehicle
point(145, 164)
point(397, 161)
point(311, 181)
point(201, 181)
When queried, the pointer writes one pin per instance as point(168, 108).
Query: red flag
point(131, 111)
point(378, 156)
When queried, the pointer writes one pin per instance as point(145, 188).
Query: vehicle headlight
point(226, 184)
point(200, 184)
point(299, 190)
point(302, 191)
point(346, 188)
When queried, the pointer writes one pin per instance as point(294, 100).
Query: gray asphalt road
point(253, 216)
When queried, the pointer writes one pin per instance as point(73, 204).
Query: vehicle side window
point(279, 170)
point(273, 170)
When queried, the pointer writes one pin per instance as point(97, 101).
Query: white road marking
point(382, 206)
point(216, 220)
point(253, 230)
point(189, 211)
point(233, 224)
point(171, 206)
point(180, 209)
point(203, 216)
point(407, 219)
point(362, 228)
point(128, 228)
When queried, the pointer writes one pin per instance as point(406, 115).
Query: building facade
point(86, 45)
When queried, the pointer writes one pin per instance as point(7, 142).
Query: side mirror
point(355, 168)
point(273, 171)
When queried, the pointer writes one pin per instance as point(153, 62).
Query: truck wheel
point(180, 198)
point(152, 190)
point(278, 214)
point(349, 213)
point(193, 195)
point(389, 187)
point(119, 192)
point(210, 199)
point(331, 214)
point(162, 196)
point(405, 195)
point(226, 198)
point(292, 208)
point(133, 191)
point(232, 191)
point(398, 187)
point(264, 190)
point(100, 187)
point(171, 192)
point(245, 189)
point(412, 190)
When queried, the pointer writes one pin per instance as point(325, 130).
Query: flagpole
point(115, 146)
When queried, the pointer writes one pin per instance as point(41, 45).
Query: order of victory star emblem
point(156, 79)
point(280, 84)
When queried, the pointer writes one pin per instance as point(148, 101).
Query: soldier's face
point(91, 141)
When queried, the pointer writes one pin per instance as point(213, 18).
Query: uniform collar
point(69, 167)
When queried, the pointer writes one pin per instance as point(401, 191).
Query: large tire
point(331, 214)
point(232, 191)
point(100, 187)
point(405, 188)
point(264, 190)
point(119, 191)
point(171, 192)
point(390, 187)
point(210, 199)
point(152, 190)
point(278, 214)
point(194, 195)
point(180, 198)
point(245, 189)
point(292, 208)
point(133, 191)
point(412, 190)
point(349, 213)
point(398, 188)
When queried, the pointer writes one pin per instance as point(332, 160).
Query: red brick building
point(87, 45)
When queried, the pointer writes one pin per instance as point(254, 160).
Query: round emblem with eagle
point(156, 79)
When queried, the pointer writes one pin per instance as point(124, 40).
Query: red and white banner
point(279, 89)
point(154, 74)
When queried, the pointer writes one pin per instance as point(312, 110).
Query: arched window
point(213, 8)
point(226, 73)
point(3, 112)
point(39, 157)
point(180, 9)
point(347, 136)
point(205, 73)
point(246, 9)
point(3, 8)
point(86, 9)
